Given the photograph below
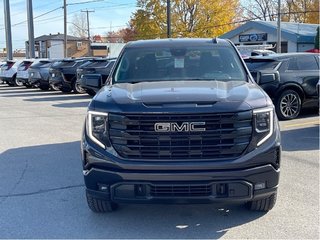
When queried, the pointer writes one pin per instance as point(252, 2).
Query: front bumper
point(194, 187)
point(239, 180)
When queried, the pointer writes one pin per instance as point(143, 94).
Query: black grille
point(226, 136)
point(180, 191)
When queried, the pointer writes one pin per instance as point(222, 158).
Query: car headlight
point(263, 124)
point(98, 128)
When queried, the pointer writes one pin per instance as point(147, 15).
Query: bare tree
point(304, 11)
point(78, 27)
point(260, 9)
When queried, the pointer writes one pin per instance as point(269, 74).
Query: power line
point(43, 14)
point(77, 3)
point(48, 12)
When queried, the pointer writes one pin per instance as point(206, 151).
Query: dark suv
point(63, 74)
point(180, 121)
point(39, 74)
point(97, 68)
point(291, 80)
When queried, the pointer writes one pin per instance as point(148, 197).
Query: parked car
point(22, 73)
point(1, 64)
point(39, 74)
point(180, 121)
point(8, 72)
point(291, 80)
point(62, 74)
point(97, 68)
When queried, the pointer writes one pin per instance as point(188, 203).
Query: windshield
point(179, 63)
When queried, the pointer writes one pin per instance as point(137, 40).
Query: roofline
point(266, 27)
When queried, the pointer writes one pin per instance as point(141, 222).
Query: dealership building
point(295, 37)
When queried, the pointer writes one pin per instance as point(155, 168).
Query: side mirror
point(267, 77)
point(93, 80)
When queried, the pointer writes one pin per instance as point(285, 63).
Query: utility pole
point(279, 28)
point(168, 19)
point(30, 29)
point(89, 44)
point(65, 53)
point(7, 23)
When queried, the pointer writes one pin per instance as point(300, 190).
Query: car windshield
point(179, 63)
point(64, 63)
point(41, 64)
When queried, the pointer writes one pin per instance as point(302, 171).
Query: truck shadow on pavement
point(73, 104)
point(58, 98)
point(20, 91)
point(42, 192)
point(304, 139)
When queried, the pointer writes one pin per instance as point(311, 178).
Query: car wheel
point(77, 88)
point(91, 92)
point(288, 105)
point(27, 85)
point(65, 89)
point(18, 83)
point(44, 87)
point(100, 205)
point(264, 204)
point(54, 88)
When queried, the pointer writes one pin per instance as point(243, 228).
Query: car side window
point(307, 63)
point(293, 65)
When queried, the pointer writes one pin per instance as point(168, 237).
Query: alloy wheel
point(289, 105)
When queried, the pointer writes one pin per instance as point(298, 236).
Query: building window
point(79, 45)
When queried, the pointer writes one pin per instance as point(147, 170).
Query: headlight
point(263, 124)
point(97, 128)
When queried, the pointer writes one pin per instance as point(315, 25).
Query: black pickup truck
point(97, 68)
point(63, 74)
point(180, 121)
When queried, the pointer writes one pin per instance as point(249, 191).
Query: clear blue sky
point(109, 14)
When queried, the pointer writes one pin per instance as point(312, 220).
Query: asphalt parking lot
point(42, 190)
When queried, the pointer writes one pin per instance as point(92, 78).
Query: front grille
point(180, 191)
point(226, 135)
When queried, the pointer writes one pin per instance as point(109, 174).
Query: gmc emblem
point(183, 127)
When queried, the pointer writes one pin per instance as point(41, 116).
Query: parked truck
point(180, 121)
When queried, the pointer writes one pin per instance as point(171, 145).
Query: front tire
point(288, 105)
point(77, 88)
point(98, 205)
point(44, 87)
point(264, 204)
point(65, 89)
point(54, 87)
point(18, 83)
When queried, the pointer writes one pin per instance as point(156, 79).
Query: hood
point(177, 94)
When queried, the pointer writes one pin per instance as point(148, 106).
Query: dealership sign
point(255, 37)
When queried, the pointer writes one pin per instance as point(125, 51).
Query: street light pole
point(279, 28)
point(7, 23)
point(88, 25)
point(30, 29)
point(168, 19)
point(65, 52)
